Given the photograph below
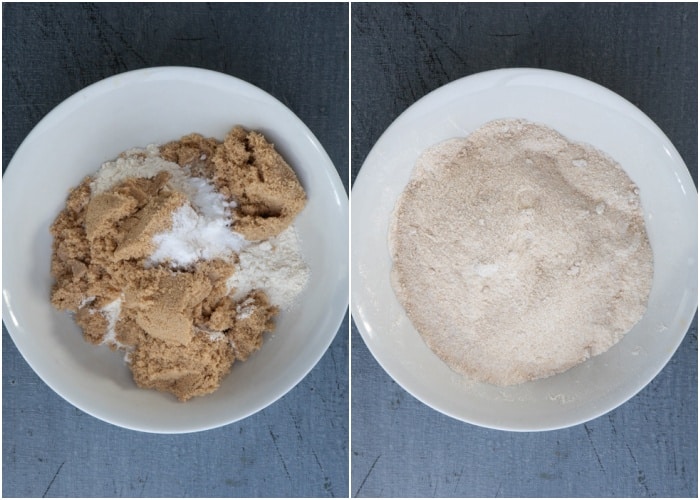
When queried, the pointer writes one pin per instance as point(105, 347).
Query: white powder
point(111, 313)
point(213, 336)
point(518, 254)
point(194, 237)
point(274, 266)
point(245, 309)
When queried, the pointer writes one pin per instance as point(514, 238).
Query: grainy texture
point(146, 210)
point(297, 446)
point(646, 53)
point(504, 239)
point(266, 189)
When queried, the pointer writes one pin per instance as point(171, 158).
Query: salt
point(194, 237)
point(201, 229)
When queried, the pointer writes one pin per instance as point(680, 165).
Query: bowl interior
point(584, 112)
point(135, 109)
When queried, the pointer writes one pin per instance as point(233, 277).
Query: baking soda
point(194, 237)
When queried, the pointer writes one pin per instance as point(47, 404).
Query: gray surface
point(299, 445)
point(646, 53)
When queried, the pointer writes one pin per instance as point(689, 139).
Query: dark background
point(647, 53)
point(299, 445)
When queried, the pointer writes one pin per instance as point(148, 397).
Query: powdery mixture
point(163, 254)
point(518, 254)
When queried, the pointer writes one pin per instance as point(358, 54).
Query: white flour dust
point(274, 266)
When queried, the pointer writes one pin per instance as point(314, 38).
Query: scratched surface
point(647, 447)
point(299, 445)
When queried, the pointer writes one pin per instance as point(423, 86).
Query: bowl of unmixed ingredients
point(175, 249)
point(525, 251)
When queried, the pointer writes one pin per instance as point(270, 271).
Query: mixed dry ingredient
point(518, 254)
point(181, 255)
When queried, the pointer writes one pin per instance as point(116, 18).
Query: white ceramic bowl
point(96, 124)
point(582, 111)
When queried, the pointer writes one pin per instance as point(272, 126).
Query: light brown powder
point(518, 254)
point(181, 328)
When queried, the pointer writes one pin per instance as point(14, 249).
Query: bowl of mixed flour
point(187, 264)
point(529, 261)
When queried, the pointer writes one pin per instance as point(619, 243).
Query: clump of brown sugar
point(247, 168)
point(181, 328)
point(197, 368)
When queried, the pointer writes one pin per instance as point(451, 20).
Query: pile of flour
point(274, 266)
point(518, 254)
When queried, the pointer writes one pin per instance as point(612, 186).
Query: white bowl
point(582, 111)
point(96, 124)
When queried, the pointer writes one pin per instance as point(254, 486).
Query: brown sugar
point(198, 368)
point(247, 168)
point(193, 150)
point(180, 326)
point(93, 325)
point(185, 371)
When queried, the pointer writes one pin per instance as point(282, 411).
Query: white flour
point(517, 254)
point(111, 313)
point(274, 266)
